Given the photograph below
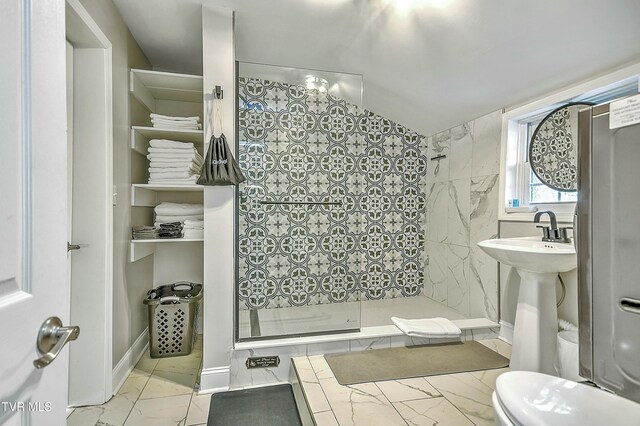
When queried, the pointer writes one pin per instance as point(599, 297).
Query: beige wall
point(130, 280)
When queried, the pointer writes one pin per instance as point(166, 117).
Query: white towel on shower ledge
point(427, 327)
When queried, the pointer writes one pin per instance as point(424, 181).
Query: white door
point(33, 208)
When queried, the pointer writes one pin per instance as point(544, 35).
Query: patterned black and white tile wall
point(303, 145)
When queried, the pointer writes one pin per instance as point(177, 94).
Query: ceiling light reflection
point(405, 6)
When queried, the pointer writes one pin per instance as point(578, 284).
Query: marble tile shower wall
point(298, 144)
point(462, 210)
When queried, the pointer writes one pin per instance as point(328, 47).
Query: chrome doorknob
point(72, 246)
point(51, 339)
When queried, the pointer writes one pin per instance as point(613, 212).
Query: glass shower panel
point(298, 218)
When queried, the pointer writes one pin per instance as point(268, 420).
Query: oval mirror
point(553, 150)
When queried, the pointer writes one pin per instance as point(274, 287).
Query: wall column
point(219, 260)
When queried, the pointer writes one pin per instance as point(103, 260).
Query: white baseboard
point(124, 367)
point(214, 380)
point(506, 331)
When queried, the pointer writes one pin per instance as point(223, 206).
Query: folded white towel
point(174, 119)
point(193, 228)
point(178, 125)
point(170, 117)
point(182, 209)
point(171, 164)
point(171, 175)
point(192, 234)
point(194, 222)
point(175, 182)
point(160, 156)
point(427, 327)
point(193, 170)
point(172, 150)
point(174, 123)
point(173, 218)
point(166, 143)
point(168, 127)
point(177, 157)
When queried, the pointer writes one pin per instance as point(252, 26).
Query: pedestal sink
point(538, 264)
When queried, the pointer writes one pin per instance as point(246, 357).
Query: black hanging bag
point(220, 168)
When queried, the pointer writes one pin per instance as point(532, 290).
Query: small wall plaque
point(263, 361)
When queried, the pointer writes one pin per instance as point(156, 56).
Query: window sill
point(563, 212)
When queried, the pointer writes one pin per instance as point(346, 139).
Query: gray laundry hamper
point(173, 311)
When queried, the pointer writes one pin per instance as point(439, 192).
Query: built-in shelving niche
point(158, 92)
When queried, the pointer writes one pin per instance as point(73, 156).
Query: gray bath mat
point(413, 361)
point(267, 406)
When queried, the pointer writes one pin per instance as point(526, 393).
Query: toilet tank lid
point(538, 399)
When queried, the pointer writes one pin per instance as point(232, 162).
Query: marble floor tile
point(112, 413)
point(168, 384)
point(169, 411)
point(358, 405)
point(367, 344)
point(432, 411)
point(186, 364)
point(145, 365)
point(489, 377)
point(407, 389)
point(326, 418)
point(132, 387)
point(198, 409)
point(310, 386)
point(467, 394)
point(320, 367)
point(500, 346)
point(304, 369)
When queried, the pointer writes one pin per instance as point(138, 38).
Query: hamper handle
point(171, 299)
point(182, 284)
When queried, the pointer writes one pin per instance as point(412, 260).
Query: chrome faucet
point(552, 233)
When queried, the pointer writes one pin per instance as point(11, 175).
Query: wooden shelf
point(139, 249)
point(144, 195)
point(168, 240)
point(174, 188)
point(151, 86)
point(140, 137)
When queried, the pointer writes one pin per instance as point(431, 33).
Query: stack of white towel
point(173, 163)
point(193, 229)
point(175, 123)
point(176, 212)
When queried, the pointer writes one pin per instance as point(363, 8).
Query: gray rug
point(413, 361)
point(267, 406)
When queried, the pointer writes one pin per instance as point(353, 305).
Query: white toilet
point(526, 398)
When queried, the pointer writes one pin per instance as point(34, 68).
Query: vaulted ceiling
point(428, 64)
